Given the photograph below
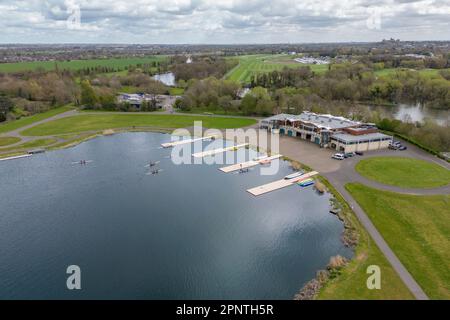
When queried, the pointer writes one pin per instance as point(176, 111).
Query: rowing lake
point(189, 232)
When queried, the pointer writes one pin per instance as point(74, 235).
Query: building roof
point(326, 121)
point(352, 138)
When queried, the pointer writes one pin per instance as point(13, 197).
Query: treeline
point(36, 92)
point(357, 82)
point(427, 134)
point(202, 68)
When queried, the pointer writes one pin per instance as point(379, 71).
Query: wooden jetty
point(272, 186)
point(248, 164)
point(176, 143)
point(216, 151)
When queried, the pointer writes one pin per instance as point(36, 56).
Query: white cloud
point(222, 21)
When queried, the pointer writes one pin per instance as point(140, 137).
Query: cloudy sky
point(221, 21)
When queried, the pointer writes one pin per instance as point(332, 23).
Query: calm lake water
point(167, 78)
point(416, 113)
point(190, 232)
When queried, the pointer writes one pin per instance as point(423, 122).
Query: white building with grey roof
point(328, 131)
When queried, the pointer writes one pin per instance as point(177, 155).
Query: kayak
point(294, 175)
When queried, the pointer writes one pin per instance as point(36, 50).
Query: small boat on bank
point(294, 175)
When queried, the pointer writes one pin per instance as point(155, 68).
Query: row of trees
point(356, 82)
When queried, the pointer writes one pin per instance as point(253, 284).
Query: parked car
point(338, 156)
point(391, 146)
point(359, 153)
point(349, 154)
point(401, 148)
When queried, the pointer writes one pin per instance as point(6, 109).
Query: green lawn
point(24, 121)
point(94, 122)
point(351, 283)
point(31, 144)
point(250, 65)
point(404, 172)
point(78, 64)
point(417, 228)
point(6, 141)
point(392, 71)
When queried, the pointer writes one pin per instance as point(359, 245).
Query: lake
point(189, 232)
point(167, 78)
point(415, 113)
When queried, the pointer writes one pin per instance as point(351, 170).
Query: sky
point(222, 21)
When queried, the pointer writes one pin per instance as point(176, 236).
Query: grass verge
point(350, 282)
point(417, 228)
point(25, 121)
point(6, 141)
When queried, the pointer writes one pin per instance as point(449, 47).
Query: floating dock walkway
point(176, 143)
point(272, 186)
point(249, 164)
point(16, 157)
point(216, 151)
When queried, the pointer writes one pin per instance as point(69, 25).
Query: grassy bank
point(404, 172)
point(5, 141)
point(417, 228)
point(351, 281)
point(25, 121)
point(94, 122)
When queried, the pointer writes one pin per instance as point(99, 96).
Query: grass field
point(417, 228)
point(77, 64)
point(351, 283)
point(254, 64)
point(94, 122)
point(16, 124)
point(5, 141)
point(391, 71)
point(404, 172)
point(30, 145)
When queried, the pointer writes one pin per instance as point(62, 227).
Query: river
point(189, 232)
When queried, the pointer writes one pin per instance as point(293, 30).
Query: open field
point(16, 124)
point(417, 228)
point(77, 64)
point(351, 282)
point(5, 141)
point(391, 71)
point(94, 122)
point(254, 64)
point(404, 172)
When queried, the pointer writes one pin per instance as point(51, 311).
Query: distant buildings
point(312, 60)
point(137, 99)
point(328, 131)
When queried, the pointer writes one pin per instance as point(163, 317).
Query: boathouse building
point(328, 131)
